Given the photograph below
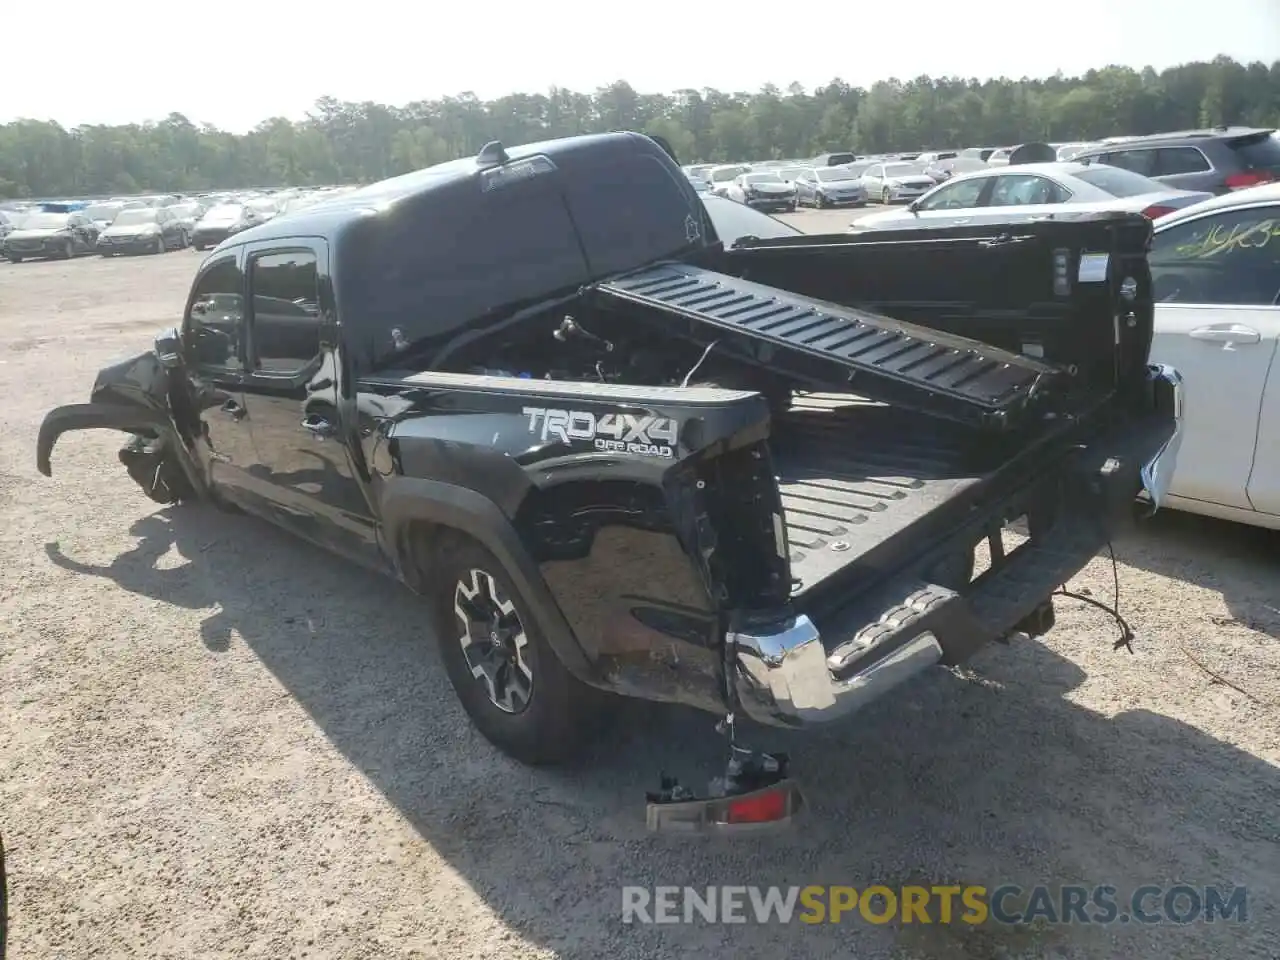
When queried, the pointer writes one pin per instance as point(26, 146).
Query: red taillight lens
point(1157, 210)
point(766, 807)
point(1250, 178)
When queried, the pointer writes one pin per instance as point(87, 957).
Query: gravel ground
point(217, 742)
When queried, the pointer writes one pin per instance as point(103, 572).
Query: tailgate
point(826, 344)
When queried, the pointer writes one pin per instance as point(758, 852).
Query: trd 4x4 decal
point(646, 435)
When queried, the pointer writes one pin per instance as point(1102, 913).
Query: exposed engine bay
point(610, 349)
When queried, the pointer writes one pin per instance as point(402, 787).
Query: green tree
point(359, 142)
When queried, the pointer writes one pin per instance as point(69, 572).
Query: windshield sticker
point(1221, 240)
point(1093, 267)
point(648, 436)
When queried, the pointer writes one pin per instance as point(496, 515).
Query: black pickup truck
point(615, 450)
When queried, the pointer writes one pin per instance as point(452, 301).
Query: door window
point(956, 196)
point(1228, 258)
point(285, 330)
point(214, 323)
point(1174, 160)
point(1023, 189)
point(1139, 161)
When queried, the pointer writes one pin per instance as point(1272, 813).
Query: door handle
point(1227, 333)
point(234, 410)
point(318, 426)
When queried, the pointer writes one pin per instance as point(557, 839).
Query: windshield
point(901, 169)
point(1118, 182)
point(103, 211)
point(128, 218)
point(721, 174)
point(762, 178)
point(44, 221)
point(733, 221)
point(181, 210)
point(836, 173)
point(841, 158)
point(227, 211)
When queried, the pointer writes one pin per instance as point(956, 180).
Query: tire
point(198, 247)
point(13, 258)
point(886, 197)
point(819, 201)
point(68, 251)
point(524, 701)
point(159, 247)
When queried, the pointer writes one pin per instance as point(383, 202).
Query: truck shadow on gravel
point(992, 777)
point(1240, 562)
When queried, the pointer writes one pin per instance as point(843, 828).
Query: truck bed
point(854, 473)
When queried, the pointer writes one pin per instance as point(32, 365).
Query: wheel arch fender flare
point(406, 503)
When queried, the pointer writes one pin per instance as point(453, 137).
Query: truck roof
point(330, 218)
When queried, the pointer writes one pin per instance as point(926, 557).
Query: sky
point(233, 63)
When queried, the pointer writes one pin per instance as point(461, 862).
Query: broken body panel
point(788, 536)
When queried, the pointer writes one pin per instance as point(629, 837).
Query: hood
point(853, 183)
point(130, 229)
point(770, 187)
point(911, 180)
point(39, 234)
point(222, 220)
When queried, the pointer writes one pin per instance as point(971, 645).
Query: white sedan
point(895, 181)
point(1033, 191)
point(1216, 281)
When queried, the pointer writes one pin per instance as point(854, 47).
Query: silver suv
point(1218, 160)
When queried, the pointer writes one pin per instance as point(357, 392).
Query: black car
point(1217, 160)
point(220, 222)
point(50, 235)
point(144, 230)
point(614, 449)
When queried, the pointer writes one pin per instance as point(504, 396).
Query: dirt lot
point(217, 743)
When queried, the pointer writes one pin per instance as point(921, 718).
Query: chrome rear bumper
point(782, 674)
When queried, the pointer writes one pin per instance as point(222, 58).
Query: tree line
point(343, 142)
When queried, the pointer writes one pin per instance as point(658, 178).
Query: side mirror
point(914, 206)
point(168, 348)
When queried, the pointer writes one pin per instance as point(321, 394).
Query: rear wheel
point(159, 246)
point(14, 258)
point(509, 680)
point(886, 197)
point(68, 250)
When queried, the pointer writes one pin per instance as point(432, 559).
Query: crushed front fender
point(134, 398)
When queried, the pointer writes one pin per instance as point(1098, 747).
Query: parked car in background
point(1218, 160)
point(831, 187)
point(976, 153)
point(933, 156)
point(896, 181)
point(721, 176)
point(1033, 191)
point(833, 159)
point(220, 222)
point(144, 230)
point(1215, 271)
point(186, 214)
point(1069, 151)
point(941, 170)
point(700, 185)
point(763, 190)
point(8, 220)
point(50, 235)
point(1000, 155)
point(103, 213)
point(264, 208)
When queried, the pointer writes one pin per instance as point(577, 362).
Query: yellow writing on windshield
point(1221, 240)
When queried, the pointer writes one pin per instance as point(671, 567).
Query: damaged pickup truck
point(616, 451)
